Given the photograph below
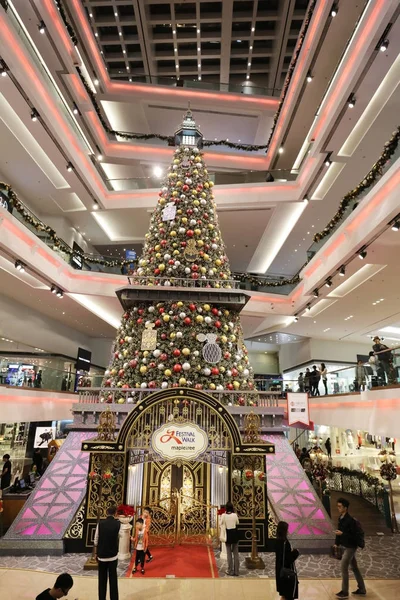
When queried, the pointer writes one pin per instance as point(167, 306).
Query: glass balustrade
point(55, 380)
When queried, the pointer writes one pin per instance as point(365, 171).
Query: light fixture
point(42, 27)
point(198, 31)
point(305, 200)
point(3, 69)
point(384, 45)
point(75, 109)
point(396, 225)
point(239, 41)
point(99, 155)
point(316, 293)
point(34, 115)
point(328, 282)
point(157, 172)
point(351, 101)
point(281, 150)
point(96, 82)
point(362, 253)
point(247, 76)
point(328, 161)
point(253, 29)
point(95, 205)
point(60, 294)
point(342, 271)
point(334, 10)
point(70, 167)
point(20, 266)
point(309, 77)
point(296, 318)
point(308, 307)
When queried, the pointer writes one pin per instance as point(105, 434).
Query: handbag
point(337, 552)
point(287, 575)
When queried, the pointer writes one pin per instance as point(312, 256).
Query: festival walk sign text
point(175, 441)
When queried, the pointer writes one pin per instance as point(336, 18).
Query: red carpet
point(179, 561)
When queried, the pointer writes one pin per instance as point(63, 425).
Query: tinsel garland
point(370, 178)
point(58, 243)
point(265, 282)
point(206, 143)
point(292, 66)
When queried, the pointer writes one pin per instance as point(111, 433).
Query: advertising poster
point(298, 409)
point(44, 435)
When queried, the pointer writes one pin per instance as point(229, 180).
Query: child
point(140, 543)
point(147, 525)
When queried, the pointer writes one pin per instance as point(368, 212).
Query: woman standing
point(324, 375)
point(229, 531)
point(287, 584)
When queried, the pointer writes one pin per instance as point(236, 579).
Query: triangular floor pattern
point(291, 494)
point(57, 496)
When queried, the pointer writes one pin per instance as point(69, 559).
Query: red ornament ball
point(214, 371)
point(187, 320)
point(177, 368)
point(133, 364)
point(176, 352)
point(218, 324)
point(190, 233)
point(214, 311)
point(192, 307)
point(121, 373)
point(229, 386)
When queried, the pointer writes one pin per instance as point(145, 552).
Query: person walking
point(307, 380)
point(106, 549)
point(349, 535)
point(384, 358)
point(324, 376)
point(287, 583)
point(328, 447)
point(147, 524)
point(361, 376)
point(314, 379)
point(63, 584)
point(229, 523)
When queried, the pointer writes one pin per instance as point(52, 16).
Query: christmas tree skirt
point(179, 561)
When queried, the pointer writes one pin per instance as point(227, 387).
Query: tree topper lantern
point(189, 134)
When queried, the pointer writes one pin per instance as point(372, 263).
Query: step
point(12, 547)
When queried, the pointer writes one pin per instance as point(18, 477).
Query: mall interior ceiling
point(297, 101)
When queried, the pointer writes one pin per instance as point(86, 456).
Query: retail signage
point(44, 435)
point(83, 360)
point(5, 202)
point(130, 255)
point(298, 408)
point(174, 441)
point(76, 258)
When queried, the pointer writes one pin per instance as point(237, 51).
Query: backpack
point(360, 539)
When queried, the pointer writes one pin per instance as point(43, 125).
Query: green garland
point(206, 143)
point(58, 242)
point(370, 178)
point(369, 479)
point(264, 281)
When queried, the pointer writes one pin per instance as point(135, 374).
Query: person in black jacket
point(346, 536)
point(314, 379)
point(106, 541)
point(287, 587)
point(63, 584)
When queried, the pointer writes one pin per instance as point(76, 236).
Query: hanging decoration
point(368, 181)
point(206, 143)
point(265, 282)
point(149, 337)
point(191, 253)
point(211, 351)
point(388, 472)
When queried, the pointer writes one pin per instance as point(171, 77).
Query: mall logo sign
point(175, 441)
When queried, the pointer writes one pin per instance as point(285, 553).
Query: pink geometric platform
point(57, 496)
point(291, 494)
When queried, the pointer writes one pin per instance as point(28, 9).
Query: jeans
point(108, 570)
point(349, 559)
point(233, 561)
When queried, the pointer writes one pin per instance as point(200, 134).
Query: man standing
point(6, 472)
point(349, 535)
point(383, 355)
point(315, 377)
point(106, 548)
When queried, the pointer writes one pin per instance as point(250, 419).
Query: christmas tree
point(195, 340)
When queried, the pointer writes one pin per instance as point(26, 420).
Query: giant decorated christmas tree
point(181, 326)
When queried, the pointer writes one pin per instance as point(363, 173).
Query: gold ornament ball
point(195, 172)
point(224, 339)
point(166, 318)
point(212, 386)
point(179, 184)
point(175, 193)
point(182, 381)
point(200, 243)
point(113, 371)
point(211, 226)
point(179, 304)
point(157, 248)
point(184, 220)
point(222, 369)
point(172, 335)
point(172, 233)
point(233, 338)
point(218, 262)
point(196, 202)
point(199, 319)
point(206, 307)
point(203, 195)
point(203, 270)
point(240, 368)
point(125, 353)
point(185, 351)
point(119, 384)
point(197, 231)
point(167, 373)
point(161, 201)
point(175, 252)
point(206, 185)
point(211, 184)
point(198, 159)
point(226, 328)
point(161, 267)
point(143, 369)
point(176, 161)
point(236, 385)
point(121, 401)
point(146, 353)
point(158, 255)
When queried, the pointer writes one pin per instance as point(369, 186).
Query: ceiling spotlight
point(75, 109)
point(396, 226)
point(328, 161)
point(34, 114)
point(342, 271)
point(70, 167)
point(99, 156)
point(53, 289)
point(328, 282)
point(306, 200)
point(157, 171)
point(296, 319)
point(316, 293)
point(351, 101)
point(281, 150)
point(309, 78)
point(96, 82)
point(3, 69)
point(20, 266)
point(362, 254)
point(334, 10)
point(384, 45)
point(60, 294)
point(42, 27)
point(308, 307)
point(95, 206)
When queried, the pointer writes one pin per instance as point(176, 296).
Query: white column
point(219, 492)
point(124, 541)
point(134, 485)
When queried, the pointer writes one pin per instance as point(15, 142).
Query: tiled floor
point(25, 585)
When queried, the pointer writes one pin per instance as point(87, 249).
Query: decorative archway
point(183, 426)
